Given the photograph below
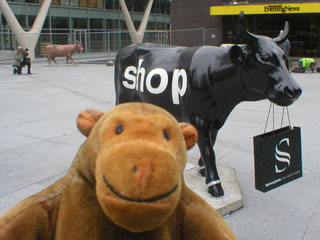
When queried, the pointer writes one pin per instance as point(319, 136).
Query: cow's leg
point(54, 61)
point(202, 169)
point(208, 157)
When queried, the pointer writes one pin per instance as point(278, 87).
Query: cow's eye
point(119, 129)
point(166, 135)
point(264, 57)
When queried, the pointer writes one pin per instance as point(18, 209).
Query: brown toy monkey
point(126, 182)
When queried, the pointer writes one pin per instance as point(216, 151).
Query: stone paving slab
point(9, 200)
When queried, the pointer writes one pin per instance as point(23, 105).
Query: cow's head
point(264, 67)
point(78, 47)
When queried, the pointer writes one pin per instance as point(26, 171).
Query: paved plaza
point(39, 139)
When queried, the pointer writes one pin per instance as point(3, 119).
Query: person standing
point(18, 58)
point(26, 59)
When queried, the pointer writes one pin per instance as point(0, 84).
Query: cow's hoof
point(216, 190)
point(202, 171)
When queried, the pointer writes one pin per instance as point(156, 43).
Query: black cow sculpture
point(201, 85)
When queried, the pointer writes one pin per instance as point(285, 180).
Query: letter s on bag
point(282, 156)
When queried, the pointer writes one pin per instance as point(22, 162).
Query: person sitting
point(304, 63)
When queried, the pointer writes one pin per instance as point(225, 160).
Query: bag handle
point(272, 104)
point(287, 116)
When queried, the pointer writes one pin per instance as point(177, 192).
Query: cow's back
point(56, 50)
point(160, 67)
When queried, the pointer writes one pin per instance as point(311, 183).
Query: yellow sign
point(286, 8)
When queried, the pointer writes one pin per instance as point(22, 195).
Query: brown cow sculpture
point(66, 50)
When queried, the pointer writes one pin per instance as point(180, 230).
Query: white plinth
point(232, 199)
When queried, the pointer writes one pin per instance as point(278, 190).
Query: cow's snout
point(285, 96)
point(294, 94)
point(285, 91)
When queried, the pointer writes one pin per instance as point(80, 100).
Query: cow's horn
point(242, 32)
point(283, 34)
point(78, 42)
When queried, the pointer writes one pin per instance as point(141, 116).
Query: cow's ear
point(87, 119)
point(236, 54)
point(190, 134)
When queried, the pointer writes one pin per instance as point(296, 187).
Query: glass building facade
point(262, 17)
point(87, 21)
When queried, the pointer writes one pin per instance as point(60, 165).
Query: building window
point(139, 5)
point(80, 23)
point(55, 2)
point(92, 3)
point(123, 25)
point(161, 26)
point(64, 2)
point(111, 4)
point(31, 21)
point(111, 24)
point(59, 22)
point(96, 23)
point(22, 20)
point(83, 3)
point(129, 4)
point(74, 3)
point(136, 24)
point(151, 26)
point(168, 7)
point(159, 6)
point(100, 4)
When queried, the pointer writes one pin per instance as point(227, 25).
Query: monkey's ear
point(190, 134)
point(87, 119)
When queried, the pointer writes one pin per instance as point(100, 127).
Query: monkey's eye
point(119, 129)
point(166, 135)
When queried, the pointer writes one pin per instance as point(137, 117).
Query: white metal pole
point(136, 37)
point(26, 39)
